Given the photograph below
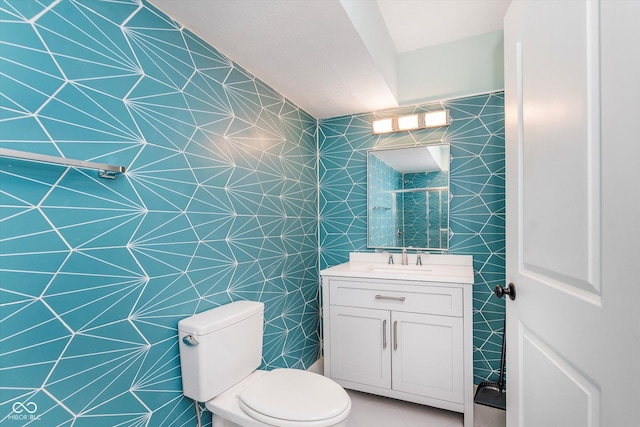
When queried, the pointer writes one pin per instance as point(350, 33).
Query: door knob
point(509, 290)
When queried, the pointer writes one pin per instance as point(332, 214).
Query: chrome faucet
point(418, 258)
point(382, 251)
point(405, 259)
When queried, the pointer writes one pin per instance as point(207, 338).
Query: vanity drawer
point(446, 301)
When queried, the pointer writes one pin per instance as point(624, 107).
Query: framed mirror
point(408, 198)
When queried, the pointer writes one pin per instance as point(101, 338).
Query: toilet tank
point(219, 348)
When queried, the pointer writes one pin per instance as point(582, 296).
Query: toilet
point(220, 352)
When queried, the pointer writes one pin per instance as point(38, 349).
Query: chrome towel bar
point(104, 170)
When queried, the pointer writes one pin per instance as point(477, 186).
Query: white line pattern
point(218, 204)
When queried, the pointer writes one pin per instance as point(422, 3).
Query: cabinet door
point(360, 345)
point(427, 355)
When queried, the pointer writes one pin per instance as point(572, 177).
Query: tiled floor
point(374, 411)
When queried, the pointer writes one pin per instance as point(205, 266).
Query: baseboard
point(317, 367)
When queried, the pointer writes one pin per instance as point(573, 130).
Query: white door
point(427, 357)
point(572, 98)
point(361, 345)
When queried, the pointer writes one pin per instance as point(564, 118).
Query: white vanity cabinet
point(400, 336)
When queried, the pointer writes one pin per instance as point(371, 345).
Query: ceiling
point(332, 57)
point(429, 158)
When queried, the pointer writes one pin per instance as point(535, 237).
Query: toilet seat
point(295, 398)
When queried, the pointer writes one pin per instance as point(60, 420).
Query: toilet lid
point(294, 395)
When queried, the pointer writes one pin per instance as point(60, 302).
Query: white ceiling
point(415, 24)
point(416, 159)
point(332, 57)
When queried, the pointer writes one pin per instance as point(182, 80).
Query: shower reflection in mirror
point(408, 197)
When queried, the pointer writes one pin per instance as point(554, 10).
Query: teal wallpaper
point(219, 203)
point(477, 204)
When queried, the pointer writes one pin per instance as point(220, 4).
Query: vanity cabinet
point(405, 339)
point(380, 348)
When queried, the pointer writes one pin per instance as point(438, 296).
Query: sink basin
point(402, 268)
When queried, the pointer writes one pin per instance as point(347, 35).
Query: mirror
point(408, 198)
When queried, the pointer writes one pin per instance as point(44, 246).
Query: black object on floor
point(490, 393)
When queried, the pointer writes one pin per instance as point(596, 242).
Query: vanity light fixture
point(383, 126)
point(436, 118)
point(408, 122)
point(412, 122)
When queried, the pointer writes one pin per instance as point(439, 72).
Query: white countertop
point(434, 268)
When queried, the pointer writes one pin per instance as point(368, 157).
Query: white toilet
point(220, 351)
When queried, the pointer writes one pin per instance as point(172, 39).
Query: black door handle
point(509, 290)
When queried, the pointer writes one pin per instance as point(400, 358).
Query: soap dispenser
point(405, 259)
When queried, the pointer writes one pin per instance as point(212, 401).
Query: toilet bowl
point(220, 351)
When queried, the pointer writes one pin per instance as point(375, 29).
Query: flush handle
point(190, 340)
point(509, 290)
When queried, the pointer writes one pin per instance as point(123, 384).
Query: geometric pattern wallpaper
point(219, 203)
point(477, 199)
